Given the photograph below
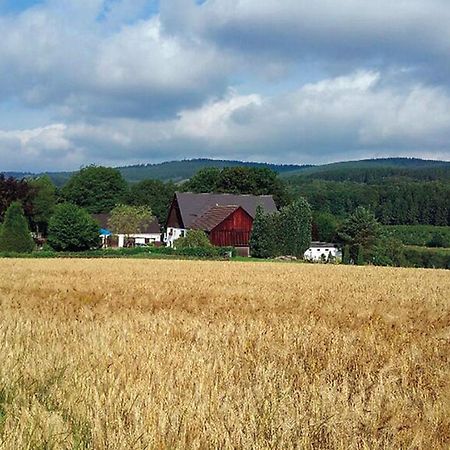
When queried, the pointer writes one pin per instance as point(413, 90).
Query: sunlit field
point(134, 354)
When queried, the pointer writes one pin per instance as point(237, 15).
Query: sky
point(120, 82)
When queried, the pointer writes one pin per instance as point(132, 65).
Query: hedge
point(427, 257)
point(144, 252)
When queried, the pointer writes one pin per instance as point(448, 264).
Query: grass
point(113, 354)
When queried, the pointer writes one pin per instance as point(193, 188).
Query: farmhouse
point(321, 251)
point(151, 234)
point(226, 218)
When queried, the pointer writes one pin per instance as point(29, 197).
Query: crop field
point(134, 354)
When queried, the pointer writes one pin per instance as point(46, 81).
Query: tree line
point(396, 203)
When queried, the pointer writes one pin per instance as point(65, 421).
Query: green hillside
point(355, 170)
point(169, 171)
point(363, 171)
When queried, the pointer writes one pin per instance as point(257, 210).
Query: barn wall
point(233, 231)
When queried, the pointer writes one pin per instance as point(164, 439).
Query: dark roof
point(152, 227)
point(322, 244)
point(213, 217)
point(193, 205)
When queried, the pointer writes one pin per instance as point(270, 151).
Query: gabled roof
point(102, 219)
point(213, 217)
point(192, 205)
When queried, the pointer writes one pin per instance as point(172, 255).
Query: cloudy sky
point(294, 81)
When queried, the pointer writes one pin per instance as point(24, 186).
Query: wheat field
point(134, 354)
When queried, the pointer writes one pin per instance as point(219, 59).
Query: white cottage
point(150, 235)
point(321, 251)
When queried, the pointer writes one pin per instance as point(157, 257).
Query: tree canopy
point(72, 228)
point(12, 190)
point(240, 180)
point(95, 188)
point(44, 201)
point(360, 232)
point(154, 194)
point(127, 219)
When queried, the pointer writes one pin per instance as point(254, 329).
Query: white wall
point(140, 238)
point(315, 253)
point(172, 234)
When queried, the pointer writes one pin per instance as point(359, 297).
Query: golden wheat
point(124, 354)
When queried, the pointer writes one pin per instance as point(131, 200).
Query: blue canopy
point(104, 232)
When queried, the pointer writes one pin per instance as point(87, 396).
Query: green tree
point(72, 228)
point(325, 226)
point(15, 234)
point(193, 238)
point(155, 194)
point(438, 240)
point(97, 189)
point(360, 232)
point(262, 238)
point(240, 180)
point(127, 219)
point(205, 180)
point(44, 202)
point(294, 229)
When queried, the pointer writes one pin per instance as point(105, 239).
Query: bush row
point(197, 252)
point(427, 257)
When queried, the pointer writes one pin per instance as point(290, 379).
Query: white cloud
point(290, 81)
point(352, 116)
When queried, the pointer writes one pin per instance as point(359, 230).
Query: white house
point(150, 235)
point(321, 251)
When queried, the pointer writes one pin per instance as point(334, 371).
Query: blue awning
point(104, 232)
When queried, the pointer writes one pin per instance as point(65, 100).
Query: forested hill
point(359, 171)
point(354, 170)
point(185, 169)
point(171, 170)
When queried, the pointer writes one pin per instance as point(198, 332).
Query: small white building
point(151, 234)
point(321, 251)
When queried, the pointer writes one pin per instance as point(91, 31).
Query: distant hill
point(368, 170)
point(172, 170)
point(360, 171)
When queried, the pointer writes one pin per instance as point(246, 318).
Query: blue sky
point(293, 81)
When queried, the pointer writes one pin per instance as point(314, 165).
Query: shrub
point(427, 257)
point(15, 234)
point(193, 239)
point(71, 228)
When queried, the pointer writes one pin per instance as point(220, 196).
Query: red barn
point(226, 218)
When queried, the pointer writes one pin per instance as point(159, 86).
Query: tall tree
point(95, 188)
point(15, 234)
point(294, 232)
point(360, 232)
point(44, 202)
point(12, 190)
point(154, 194)
point(263, 235)
point(72, 228)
